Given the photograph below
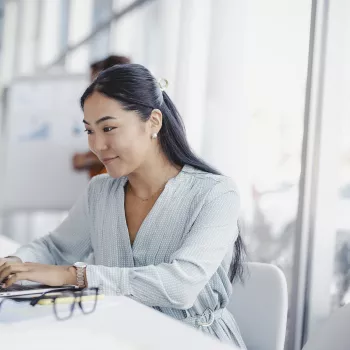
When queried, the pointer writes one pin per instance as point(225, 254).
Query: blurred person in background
point(88, 161)
point(162, 225)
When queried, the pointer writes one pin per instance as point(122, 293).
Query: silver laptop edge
point(39, 290)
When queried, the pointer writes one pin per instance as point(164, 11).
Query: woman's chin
point(116, 172)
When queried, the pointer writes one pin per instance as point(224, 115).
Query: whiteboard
point(43, 129)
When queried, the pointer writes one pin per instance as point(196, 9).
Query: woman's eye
point(107, 129)
point(88, 131)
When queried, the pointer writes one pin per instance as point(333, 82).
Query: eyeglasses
point(64, 302)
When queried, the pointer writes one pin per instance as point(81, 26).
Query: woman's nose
point(99, 144)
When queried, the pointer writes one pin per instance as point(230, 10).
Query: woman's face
point(119, 138)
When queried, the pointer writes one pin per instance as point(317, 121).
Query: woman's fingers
point(3, 269)
point(5, 264)
point(11, 259)
point(15, 265)
point(45, 274)
point(9, 269)
point(19, 276)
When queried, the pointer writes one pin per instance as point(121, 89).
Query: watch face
point(80, 264)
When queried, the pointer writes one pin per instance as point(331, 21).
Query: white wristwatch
point(80, 267)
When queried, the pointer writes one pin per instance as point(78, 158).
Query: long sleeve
point(178, 283)
point(68, 243)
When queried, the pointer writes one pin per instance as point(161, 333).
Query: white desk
point(118, 323)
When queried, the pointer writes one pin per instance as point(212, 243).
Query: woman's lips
point(108, 160)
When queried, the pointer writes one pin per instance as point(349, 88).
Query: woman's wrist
point(71, 276)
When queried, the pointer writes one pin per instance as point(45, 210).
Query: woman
point(162, 225)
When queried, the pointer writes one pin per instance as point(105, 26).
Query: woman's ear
point(156, 120)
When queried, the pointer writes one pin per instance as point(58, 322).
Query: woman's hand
point(51, 275)
point(11, 259)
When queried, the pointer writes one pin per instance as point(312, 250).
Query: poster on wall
point(43, 130)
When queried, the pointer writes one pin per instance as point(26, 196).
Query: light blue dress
point(179, 261)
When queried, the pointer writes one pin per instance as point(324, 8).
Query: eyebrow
point(100, 120)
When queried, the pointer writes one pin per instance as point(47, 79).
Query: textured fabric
point(180, 258)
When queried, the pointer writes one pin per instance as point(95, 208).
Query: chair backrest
point(7, 246)
point(334, 333)
point(260, 306)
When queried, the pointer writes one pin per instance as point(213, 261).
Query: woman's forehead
point(99, 101)
point(98, 106)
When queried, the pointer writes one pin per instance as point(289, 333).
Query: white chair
point(334, 334)
point(260, 306)
point(7, 246)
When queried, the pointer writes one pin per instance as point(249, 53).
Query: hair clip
point(163, 84)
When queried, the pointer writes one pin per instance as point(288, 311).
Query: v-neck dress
point(180, 259)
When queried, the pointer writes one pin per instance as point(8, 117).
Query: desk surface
point(118, 322)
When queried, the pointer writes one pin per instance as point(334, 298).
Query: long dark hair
point(136, 89)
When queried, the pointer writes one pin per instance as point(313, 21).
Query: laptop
point(29, 289)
